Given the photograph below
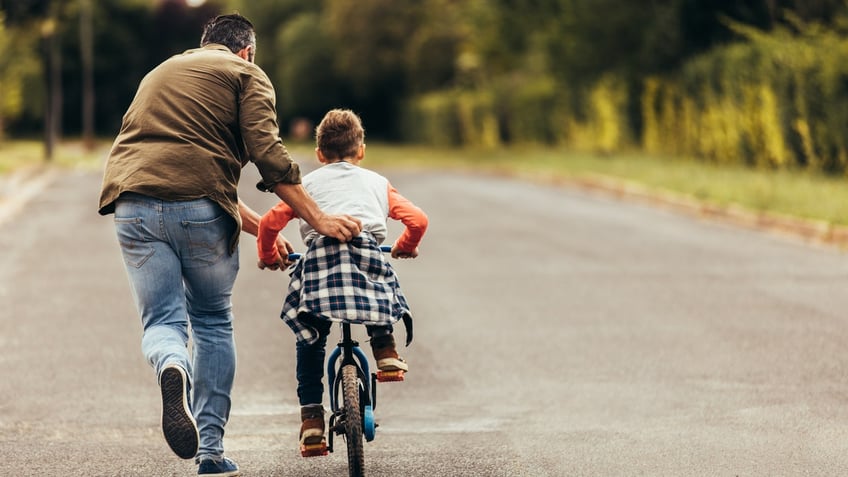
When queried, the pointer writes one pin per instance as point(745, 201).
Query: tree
point(9, 86)
point(369, 41)
point(87, 57)
point(51, 31)
point(307, 83)
point(271, 19)
point(432, 50)
point(18, 63)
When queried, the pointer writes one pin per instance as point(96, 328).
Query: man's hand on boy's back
point(341, 227)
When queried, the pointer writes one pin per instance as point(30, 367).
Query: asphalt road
point(557, 334)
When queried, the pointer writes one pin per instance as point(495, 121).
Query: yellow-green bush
point(605, 128)
point(478, 121)
point(432, 118)
point(530, 110)
point(775, 101)
point(512, 110)
point(451, 118)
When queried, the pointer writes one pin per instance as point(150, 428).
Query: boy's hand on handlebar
point(281, 261)
point(397, 253)
point(284, 248)
point(270, 266)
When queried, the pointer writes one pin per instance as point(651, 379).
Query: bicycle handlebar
point(298, 256)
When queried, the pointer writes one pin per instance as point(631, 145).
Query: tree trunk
point(53, 116)
point(87, 54)
point(49, 138)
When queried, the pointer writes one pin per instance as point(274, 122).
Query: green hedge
point(775, 101)
point(513, 110)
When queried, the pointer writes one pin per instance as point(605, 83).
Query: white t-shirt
point(343, 188)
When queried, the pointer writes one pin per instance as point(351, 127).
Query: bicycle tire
point(353, 421)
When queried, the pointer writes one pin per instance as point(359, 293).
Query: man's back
point(185, 111)
point(194, 123)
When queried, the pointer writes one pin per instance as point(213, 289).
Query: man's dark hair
point(233, 31)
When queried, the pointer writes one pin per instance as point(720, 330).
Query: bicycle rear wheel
point(353, 421)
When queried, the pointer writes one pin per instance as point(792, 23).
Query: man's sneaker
point(218, 468)
point(178, 424)
point(312, 442)
point(386, 355)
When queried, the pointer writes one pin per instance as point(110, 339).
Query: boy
point(341, 281)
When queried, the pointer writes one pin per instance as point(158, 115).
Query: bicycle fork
point(349, 352)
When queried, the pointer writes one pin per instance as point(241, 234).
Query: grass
point(798, 194)
point(20, 154)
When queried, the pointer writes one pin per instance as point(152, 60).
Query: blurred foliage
point(760, 83)
point(18, 62)
point(130, 38)
point(776, 100)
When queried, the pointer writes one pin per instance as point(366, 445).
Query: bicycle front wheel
point(353, 421)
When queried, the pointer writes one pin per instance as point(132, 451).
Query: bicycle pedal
point(389, 376)
point(313, 450)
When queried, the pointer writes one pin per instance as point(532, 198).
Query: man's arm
point(341, 227)
point(257, 117)
point(250, 224)
point(249, 218)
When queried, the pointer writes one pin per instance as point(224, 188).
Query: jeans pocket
point(134, 240)
point(208, 240)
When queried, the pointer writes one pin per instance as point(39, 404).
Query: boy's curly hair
point(339, 134)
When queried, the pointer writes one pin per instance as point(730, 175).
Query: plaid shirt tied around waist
point(344, 282)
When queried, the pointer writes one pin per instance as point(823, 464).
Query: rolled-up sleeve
point(261, 133)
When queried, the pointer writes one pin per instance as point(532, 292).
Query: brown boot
point(312, 440)
point(386, 355)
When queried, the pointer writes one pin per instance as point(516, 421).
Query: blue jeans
point(182, 273)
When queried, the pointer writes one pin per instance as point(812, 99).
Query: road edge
point(819, 232)
point(20, 186)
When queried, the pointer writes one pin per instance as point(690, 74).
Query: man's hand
point(341, 227)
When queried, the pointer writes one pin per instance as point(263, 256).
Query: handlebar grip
point(298, 256)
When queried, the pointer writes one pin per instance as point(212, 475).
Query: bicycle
point(353, 397)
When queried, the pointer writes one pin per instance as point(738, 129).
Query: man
point(171, 181)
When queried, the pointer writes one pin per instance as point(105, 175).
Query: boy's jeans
point(181, 271)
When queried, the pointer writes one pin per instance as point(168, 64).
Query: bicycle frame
point(346, 353)
point(349, 352)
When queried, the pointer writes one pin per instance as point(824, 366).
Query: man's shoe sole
point(232, 473)
point(178, 424)
point(215, 470)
